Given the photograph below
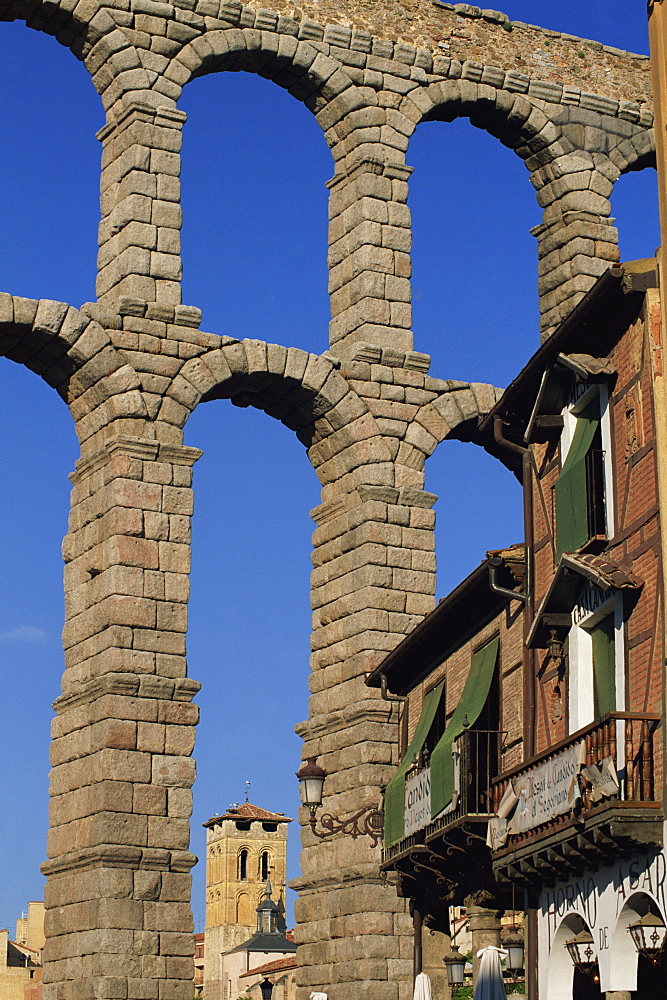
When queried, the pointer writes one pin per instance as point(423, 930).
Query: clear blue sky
point(254, 237)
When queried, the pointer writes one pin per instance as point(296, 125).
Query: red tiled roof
point(602, 571)
point(248, 811)
point(280, 965)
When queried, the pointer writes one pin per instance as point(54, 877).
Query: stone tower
point(244, 848)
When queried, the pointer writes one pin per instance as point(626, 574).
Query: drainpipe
point(528, 671)
point(401, 699)
point(494, 562)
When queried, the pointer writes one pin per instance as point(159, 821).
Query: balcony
point(588, 800)
point(449, 852)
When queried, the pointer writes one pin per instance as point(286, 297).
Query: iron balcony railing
point(626, 738)
point(476, 760)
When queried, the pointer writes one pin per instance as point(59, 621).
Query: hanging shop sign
point(548, 790)
point(538, 795)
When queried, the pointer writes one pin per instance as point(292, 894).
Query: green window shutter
point(394, 796)
point(465, 715)
point(604, 666)
point(571, 499)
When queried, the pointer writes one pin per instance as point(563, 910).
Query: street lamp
point(266, 989)
point(367, 821)
point(455, 964)
point(582, 953)
point(311, 780)
point(649, 935)
point(513, 945)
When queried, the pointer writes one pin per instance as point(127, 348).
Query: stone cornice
point(119, 856)
point(181, 689)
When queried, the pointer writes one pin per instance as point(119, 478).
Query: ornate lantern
point(582, 953)
point(513, 945)
point(649, 935)
point(311, 779)
point(555, 646)
point(455, 964)
point(266, 989)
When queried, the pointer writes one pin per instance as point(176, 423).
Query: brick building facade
point(576, 820)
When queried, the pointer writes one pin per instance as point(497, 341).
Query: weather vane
point(247, 791)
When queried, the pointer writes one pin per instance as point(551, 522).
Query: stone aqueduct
point(134, 365)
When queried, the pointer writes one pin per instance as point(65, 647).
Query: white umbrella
point(422, 987)
point(490, 984)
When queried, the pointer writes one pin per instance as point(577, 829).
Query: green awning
point(604, 665)
point(571, 494)
point(465, 715)
point(394, 796)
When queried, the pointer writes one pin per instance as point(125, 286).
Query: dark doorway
point(584, 988)
point(651, 980)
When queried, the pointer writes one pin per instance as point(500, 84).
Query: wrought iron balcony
point(610, 809)
point(452, 845)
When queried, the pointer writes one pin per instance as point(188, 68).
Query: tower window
point(265, 865)
point(243, 865)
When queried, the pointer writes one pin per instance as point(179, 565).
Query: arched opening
point(244, 909)
point(564, 982)
point(254, 250)
point(635, 205)
point(243, 865)
point(249, 618)
point(255, 211)
point(34, 502)
point(476, 313)
point(479, 509)
point(49, 172)
point(265, 866)
point(474, 261)
point(629, 970)
point(48, 240)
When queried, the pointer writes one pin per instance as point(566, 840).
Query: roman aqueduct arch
point(118, 914)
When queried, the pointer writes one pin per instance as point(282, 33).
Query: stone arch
point(635, 153)
point(95, 39)
point(74, 355)
point(454, 413)
point(296, 65)
point(304, 391)
point(560, 970)
point(244, 908)
point(511, 118)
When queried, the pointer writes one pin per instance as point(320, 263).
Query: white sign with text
point(548, 790)
point(417, 801)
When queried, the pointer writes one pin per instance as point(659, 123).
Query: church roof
point(249, 812)
point(278, 965)
point(267, 942)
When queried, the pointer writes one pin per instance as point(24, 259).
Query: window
point(581, 510)
point(596, 657)
point(243, 865)
point(604, 666)
point(264, 866)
